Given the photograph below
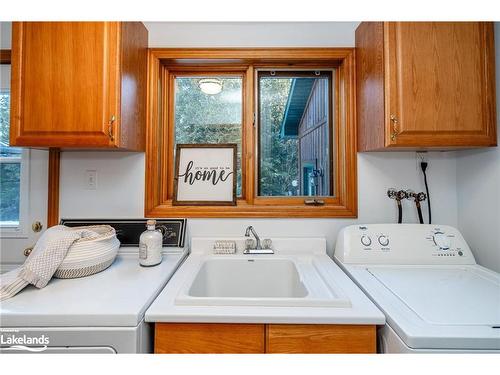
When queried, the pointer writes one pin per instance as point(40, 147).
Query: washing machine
point(425, 279)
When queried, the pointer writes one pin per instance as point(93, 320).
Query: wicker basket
point(88, 256)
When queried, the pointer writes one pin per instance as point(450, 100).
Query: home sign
point(205, 174)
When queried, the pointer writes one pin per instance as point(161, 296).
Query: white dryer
point(426, 281)
point(102, 313)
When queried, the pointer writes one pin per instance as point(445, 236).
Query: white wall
point(120, 191)
point(4, 77)
point(5, 35)
point(478, 181)
point(120, 185)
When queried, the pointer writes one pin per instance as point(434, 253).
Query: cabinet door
point(65, 83)
point(439, 84)
point(320, 338)
point(209, 338)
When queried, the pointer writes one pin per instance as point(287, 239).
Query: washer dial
point(366, 240)
point(442, 241)
point(383, 240)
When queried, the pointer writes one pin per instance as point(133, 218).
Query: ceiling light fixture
point(210, 86)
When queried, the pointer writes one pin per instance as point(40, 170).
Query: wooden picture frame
point(207, 176)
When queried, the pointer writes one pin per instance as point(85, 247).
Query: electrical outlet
point(420, 156)
point(90, 179)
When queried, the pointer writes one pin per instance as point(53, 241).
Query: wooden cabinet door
point(439, 84)
point(65, 84)
point(321, 338)
point(209, 338)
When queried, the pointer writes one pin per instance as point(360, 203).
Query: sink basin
point(259, 282)
point(248, 279)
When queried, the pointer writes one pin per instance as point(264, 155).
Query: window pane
point(209, 110)
point(9, 193)
point(5, 150)
point(10, 158)
point(295, 134)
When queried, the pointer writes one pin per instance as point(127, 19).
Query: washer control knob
point(383, 240)
point(366, 240)
point(441, 241)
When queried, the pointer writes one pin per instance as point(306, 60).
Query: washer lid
point(452, 296)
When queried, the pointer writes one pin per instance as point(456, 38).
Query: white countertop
point(117, 296)
point(361, 311)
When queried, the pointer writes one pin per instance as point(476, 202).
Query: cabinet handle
point(110, 128)
point(395, 132)
point(36, 226)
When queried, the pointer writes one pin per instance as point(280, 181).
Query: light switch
point(90, 179)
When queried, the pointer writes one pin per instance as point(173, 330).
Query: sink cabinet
point(425, 85)
point(264, 338)
point(79, 85)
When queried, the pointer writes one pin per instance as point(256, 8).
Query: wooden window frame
point(159, 132)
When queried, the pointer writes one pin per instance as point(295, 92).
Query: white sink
point(248, 279)
point(259, 281)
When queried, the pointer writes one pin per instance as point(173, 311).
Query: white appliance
point(426, 281)
point(102, 313)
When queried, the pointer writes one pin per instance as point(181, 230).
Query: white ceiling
point(251, 34)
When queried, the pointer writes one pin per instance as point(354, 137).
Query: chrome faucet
point(257, 238)
point(258, 247)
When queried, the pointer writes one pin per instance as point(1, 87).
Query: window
point(295, 131)
point(209, 109)
point(290, 111)
point(12, 163)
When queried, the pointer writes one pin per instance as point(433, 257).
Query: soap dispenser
point(150, 245)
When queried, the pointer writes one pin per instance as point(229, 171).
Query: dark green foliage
point(9, 172)
point(278, 156)
point(9, 191)
point(4, 118)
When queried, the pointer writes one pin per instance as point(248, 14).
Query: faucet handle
point(250, 244)
point(267, 243)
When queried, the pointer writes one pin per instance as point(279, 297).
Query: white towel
point(48, 253)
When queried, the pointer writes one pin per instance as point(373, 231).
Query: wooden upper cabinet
point(425, 85)
point(79, 85)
